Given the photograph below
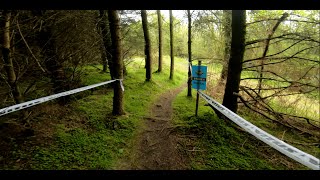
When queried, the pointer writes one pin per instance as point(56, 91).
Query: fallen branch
point(276, 114)
point(269, 107)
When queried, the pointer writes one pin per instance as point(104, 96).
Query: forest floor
point(159, 131)
point(156, 145)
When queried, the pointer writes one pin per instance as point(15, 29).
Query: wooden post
point(197, 101)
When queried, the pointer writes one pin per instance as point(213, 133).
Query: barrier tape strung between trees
point(27, 104)
point(288, 150)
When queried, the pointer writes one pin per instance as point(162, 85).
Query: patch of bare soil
point(156, 147)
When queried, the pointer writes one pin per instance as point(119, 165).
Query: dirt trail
point(156, 145)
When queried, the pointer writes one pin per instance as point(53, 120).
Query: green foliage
point(78, 149)
point(93, 76)
point(101, 139)
point(104, 138)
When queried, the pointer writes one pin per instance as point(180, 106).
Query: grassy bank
point(89, 137)
point(221, 145)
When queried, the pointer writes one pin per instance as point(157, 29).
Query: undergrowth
point(220, 144)
point(105, 138)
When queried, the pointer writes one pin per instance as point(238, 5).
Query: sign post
point(199, 77)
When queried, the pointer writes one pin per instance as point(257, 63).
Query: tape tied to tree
point(27, 104)
point(121, 84)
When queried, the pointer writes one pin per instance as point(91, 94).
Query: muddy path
point(156, 146)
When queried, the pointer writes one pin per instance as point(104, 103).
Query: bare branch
point(300, 117)
point(278, 61)
point(287, 81)
point(260, 21)
point(286, 48)
point(306, 38)
point(261, 102)
point(294, 20)
point(311, 22)
point(275, 53)
point(277, 94)
point(273, 113)
point(267, 42)
point(264, 115)
point(304, 144)
point(29, 48)
point(282, 39)
point(270, 73)
point(29, 87)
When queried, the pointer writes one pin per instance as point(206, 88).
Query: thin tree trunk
point(147, 48)
point(118, 108)
point(235, 62)
point(227, 43)
point(54, 67)
point(189, 54)
point(52, 64)
point(100, 27)
point(171, 45)
point(106, 37)
point(104, 58)
point(125, 72)
point(7, 57)
point(160, 41)
point(267, 42)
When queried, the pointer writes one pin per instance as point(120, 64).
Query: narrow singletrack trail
point(156, 144)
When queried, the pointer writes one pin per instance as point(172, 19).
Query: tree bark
point(106, 37)
point(235, 61)
point(100, 27)
point(52, 63)
point(267, 42)
point(227, 43)
point(147, 47)
point(160, 41)
point(171, 46)
point(189, 54)
point(114, 22)
point(7, 57)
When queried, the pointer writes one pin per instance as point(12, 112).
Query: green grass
point(281, 132)
point(222, 146)
point(101, 140)
point(104, 139)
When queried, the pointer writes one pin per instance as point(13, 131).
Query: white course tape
point(121, 84)
point(190, 66)
point(27, 104)
point(290, 151)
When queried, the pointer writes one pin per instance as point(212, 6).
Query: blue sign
point(199, 77)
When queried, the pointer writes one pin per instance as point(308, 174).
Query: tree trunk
point(283, 17)
point(52, 64)
point(171, 45)
point(227, 43)
point(125, 72)
point(118, 108)
point(147, 47)
point(235, 61)
point(54, 67)
point(100, 27)
point(104, 58)
point(7, 57)
point(189, 54)
point(106, 37)
point(160, 41)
